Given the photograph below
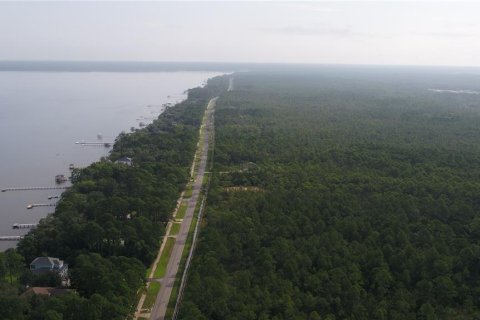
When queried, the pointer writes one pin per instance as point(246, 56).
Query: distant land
point(115, 66)
point(158, 66)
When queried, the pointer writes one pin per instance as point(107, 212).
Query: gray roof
point(47, 260)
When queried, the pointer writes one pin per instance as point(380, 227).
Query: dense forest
point(108, 225)
point(342, 194)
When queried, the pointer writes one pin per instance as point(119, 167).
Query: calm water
point(42, 115)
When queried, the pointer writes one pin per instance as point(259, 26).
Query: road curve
point(163, 297)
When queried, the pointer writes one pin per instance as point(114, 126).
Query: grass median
point(152, 292)
point(175, 229)
point(162, 263)
point(188, 191)
point(181, 211)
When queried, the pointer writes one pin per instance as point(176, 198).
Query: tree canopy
point(342, 195)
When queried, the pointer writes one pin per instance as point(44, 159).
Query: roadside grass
point(175, 228)
point(210, 155)
point(197, 164)
point(149, 270)
point(162, 263)
point(181, 211)
point(188, 191)
point(206, 178)
point(151, 295)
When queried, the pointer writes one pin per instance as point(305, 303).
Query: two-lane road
point(163, 297)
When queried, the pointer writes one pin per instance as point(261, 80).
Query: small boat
point(60, 178)
point(53, 197)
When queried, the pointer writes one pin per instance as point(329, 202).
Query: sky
point(392, 33)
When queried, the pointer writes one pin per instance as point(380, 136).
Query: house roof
point(40, 290)
point(47, 260)
point(60, 291)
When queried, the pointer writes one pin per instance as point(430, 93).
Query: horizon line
point(3, 63)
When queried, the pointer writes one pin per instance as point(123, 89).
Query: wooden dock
point(24, 225)
point(33, 205)
point(33, 188)
point(11, 238)
point(87, 143)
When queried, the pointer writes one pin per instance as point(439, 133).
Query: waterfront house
point(42, 265)
point(125, 160)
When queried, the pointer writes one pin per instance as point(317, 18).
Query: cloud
point(306, 6)
point(160, 25)
point(323, 30)
point(314, 30)
point(453, 34)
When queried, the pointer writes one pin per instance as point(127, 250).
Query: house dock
point(24, 225)
point(86, 143)
point(33, 205)
point(10, 238)
point(32, 188)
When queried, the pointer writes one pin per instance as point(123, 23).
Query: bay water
point(43, 114)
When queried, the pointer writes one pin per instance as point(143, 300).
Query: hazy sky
point(423, 33)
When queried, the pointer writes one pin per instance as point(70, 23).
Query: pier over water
point(33, 205)
point(24, 225)
point(33, 188)
point(11, 238)
point(86, 143)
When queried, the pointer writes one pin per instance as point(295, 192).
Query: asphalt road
point(163, 297)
